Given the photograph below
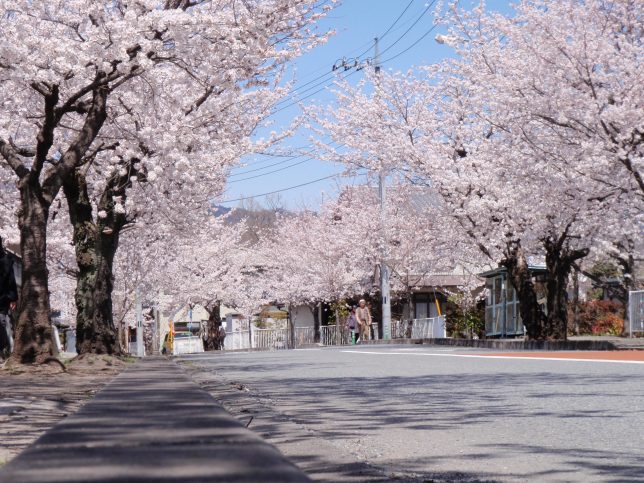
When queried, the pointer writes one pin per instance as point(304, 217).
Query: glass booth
point(502, 317)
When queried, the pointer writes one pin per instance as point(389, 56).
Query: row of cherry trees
point(531, 136)
point(133, 112)
point(120, 121)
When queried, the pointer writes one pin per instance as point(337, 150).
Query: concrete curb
point(558, 345)
point(150, 424)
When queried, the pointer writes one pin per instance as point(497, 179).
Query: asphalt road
point(422, 413)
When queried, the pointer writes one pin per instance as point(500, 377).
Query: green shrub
point(464, 320)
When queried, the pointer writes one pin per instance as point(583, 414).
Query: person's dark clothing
point(8, 289)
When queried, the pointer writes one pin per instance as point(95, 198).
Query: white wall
point(302, 316)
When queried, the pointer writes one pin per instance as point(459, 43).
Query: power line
point(285, 167)
point(282, 190)
point(289, 158)
point(412, 45)
point(310, 95)
point(286, 160)
point(271, 172)
point(370, 44)
point(410, 27)
point(299, 90)
point(396, 21)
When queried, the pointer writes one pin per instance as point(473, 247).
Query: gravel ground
point(32, 399)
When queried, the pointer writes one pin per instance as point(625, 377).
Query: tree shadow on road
point(345, 409)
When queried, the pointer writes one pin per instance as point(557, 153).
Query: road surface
point(412, 413)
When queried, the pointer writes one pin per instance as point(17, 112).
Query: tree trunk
point(316, 322)
point(212, 340)
point(34, 335)
point(575, 300)
point(519, 275)
point(291, 327)
point(559, 263)
point(95, 245)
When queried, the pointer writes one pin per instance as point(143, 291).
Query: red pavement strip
point(631, 356)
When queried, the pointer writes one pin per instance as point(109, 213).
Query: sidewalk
point(150, 424)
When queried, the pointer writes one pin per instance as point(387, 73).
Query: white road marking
point(476, 356)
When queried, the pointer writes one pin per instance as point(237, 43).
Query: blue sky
point(357, 23)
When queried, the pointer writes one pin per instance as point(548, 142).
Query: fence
point(635, 312)
point(278, 339)
point(428, 328)
point(270, 339)
point(304, 336)
point(187, 345)
point(236, 340)
point(329, 335)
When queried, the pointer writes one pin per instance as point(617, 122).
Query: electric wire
point(410, 27)
point(271, 172)
point(396, 21)
point(411, 46)
point(298, 91)
point(281, 190)
point(286, 160)
point(310, 158)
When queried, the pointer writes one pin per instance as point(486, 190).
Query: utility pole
point(345, 64)
point(384, 269)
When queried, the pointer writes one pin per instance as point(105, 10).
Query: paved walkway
point(150, 424)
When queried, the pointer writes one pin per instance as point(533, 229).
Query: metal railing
point(635, 312)
point(304, 336)
point(329, 335)
point(278, 339)
point(426, 328)
point(270, 339)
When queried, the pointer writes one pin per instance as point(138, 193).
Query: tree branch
point(11, 156)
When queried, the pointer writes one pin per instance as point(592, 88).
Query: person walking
point(363, 315)
point(352, 322)
point(8, 298)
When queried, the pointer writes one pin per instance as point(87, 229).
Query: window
point(502, 309)
point(425, 306)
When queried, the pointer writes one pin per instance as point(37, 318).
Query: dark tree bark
point(559, 263)
point(519, 275)
point(291, 327)
point(212, 338)
point(34, 335)
point(316, 322)
point(575, 301)
point(34, 342)
point(96, 243)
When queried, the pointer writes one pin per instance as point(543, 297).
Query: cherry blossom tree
point(209, 264)
point(531, 136)
point(101, 96)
